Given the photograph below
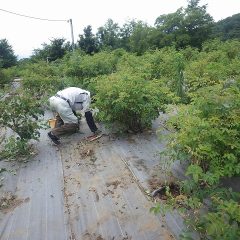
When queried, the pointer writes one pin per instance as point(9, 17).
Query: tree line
point(190, 26)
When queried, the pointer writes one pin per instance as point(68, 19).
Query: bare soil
point(9, 201)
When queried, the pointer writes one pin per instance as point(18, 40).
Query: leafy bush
point(19, 112)
point(130, 100)
point(205, 72)
point(217, 63)
point(42, 78)
point(90, 66)
point(169, 65)
point(223, 222)
point(41, 68)
point(163, 64)
point(221, 218)
point(207, 128)
point(230, 48)
point(205, 133)
point(15, 148)
point(212, 211)
point(6, 75)
point(42, 86)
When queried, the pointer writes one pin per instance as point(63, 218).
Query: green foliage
point(85, 67)
point(187, 26)
point(190, 26)
point(163, 65)
point(41, 78)
point(195, 171)
point(161, 208)
point(189, 53)
point(224, 223)
point(203, 134)
point(179, 61)
point(185, 236)
point(227, 28)
point(132, 64)
point(130, 100)
point(197, 23)
point(42, 86)
point(219, 219)
point(53, 51)
point(125, 33)
point(7, 57)
point(41, 68)
point(139, 41)
point(171, 27)
point(215, 64)
point(20, 112)
point(6, 75)
point(90, 66)
point(87, 41)
point(207, 127)
point(168, 65)
point(230, 48)
point(15, 148)
point(108, 36)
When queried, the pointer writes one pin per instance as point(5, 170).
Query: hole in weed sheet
point(161, 190)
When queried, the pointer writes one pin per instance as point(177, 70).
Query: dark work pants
point(64, 128)
point(90, 121)
point(67, 128)
point(59, 120)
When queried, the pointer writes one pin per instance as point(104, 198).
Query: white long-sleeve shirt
point(79, 99)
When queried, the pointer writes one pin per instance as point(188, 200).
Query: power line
point(43, 19)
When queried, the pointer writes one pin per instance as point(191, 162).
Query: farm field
point(167, 165)
point(84, 190)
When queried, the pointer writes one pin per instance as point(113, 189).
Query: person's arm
point(74, 112)
point(86, 104)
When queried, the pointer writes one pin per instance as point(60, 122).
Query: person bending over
point(66, 102)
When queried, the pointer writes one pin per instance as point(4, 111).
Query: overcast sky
point(25, 34)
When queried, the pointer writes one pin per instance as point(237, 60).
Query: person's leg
point(53, 138)
point(70, 120)
point(90, 121)
point(67, 128)
point(59, 122)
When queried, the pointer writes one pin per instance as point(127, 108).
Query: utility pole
point(71, 26)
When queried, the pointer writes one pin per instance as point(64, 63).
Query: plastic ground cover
point(84, 190)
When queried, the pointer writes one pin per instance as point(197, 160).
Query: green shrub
point(16, 148)
point(90, 66)
point(6, 76)
point(218, 62)
point(42, 86)
point(40, 68)
point(209, 130)
point(223, 222)
point(42, 78)
point(20, 113)
point(129, 100)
